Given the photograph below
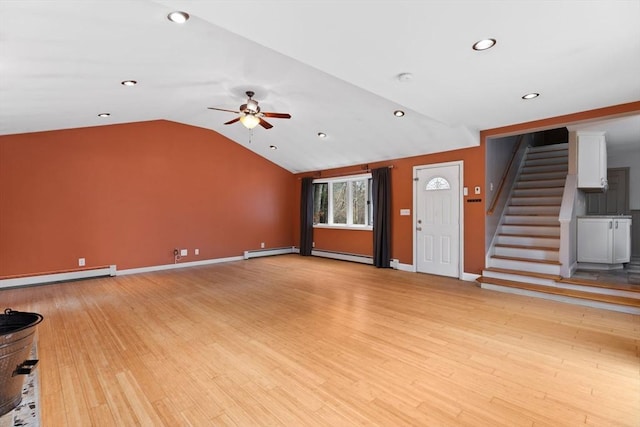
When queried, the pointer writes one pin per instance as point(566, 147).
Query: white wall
point(498, 154)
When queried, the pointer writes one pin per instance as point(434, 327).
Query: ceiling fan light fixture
point(249, 121)
point(530, 95)
point(178, 17)
point(484, 44)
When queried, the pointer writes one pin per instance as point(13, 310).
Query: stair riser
point(524, 229)
point(547, 154)
point(549, 148)
point(533, 210)
point(542, 175)
point(562, 160)
point(517, 278)
point(560, 298)
point(597, 290)
point(555, 191)
point(545, 168)
point(531, 219)
point(530, 241)
point(541, 183)
point(525, 266)
point(536, 200)
point(538, 254)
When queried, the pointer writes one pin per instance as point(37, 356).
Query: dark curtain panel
point(381, 217)
point(306, 217)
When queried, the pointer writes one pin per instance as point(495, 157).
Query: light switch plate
point(465, 191)
point(184, 252)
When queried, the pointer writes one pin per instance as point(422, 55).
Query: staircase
point(524, 257)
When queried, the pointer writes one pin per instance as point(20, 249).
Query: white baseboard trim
point(177, 265)
point(405, 267)
point(269, 252)
point(343, 257)
point(469, 277)
point(58, 277)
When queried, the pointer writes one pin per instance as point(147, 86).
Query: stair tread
point(545, 205)
point(531, 225)
point(540, 248)
point(525, 196)
point(612, 299)
point(538, 261)
point(535, 236)
point(615, 286)
point(541, 187)
point(524, 273)
point(531, 214)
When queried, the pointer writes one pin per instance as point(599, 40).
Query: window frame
point(367, 177)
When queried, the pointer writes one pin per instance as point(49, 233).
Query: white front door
point(437, 219)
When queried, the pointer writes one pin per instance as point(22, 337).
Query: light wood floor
point(298, 341)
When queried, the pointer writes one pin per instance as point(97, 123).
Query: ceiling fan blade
point(277, 115)
point(265, 124)
point(232, 121)
point(222, 109)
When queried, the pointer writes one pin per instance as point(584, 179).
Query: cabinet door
point(621, 240)
point(595, 240)
point(592, 160)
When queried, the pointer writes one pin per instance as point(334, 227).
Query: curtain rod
point(365, 169)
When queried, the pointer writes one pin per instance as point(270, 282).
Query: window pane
point(339, 202)
point(438, 183)
point(359, 201)
point(320, 203)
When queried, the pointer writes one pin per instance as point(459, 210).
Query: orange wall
point(129, 194)
point(361, 242)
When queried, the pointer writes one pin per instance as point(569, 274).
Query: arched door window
point(438, 183)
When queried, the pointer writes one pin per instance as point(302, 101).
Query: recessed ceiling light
point(484, 44)
point(398, 113)
point(129, 83)
point(530, 95)
point(178, 17)
point(104, 114)
point(273, 147)
point(322, 135)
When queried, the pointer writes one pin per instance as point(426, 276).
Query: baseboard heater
point(268, 252)
point(364, 259)
point(57, 276)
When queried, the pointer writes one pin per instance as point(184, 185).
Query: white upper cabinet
point(592, 160)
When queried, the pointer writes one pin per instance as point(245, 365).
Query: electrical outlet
point(184, 252)
point(262, 245)
point(196, 251)
point(81, 262)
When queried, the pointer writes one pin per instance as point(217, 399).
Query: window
point(343, 202)
point(438, 183)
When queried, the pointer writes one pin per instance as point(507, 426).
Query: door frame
point(460, 164)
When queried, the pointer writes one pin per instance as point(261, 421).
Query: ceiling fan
point(250, 114)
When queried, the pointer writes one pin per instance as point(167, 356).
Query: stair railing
point(496, 197)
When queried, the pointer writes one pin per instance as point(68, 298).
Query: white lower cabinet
point(604, 240)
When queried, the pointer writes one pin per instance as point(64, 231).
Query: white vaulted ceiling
point(332, 65)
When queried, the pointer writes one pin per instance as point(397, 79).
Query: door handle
point(616, 224)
